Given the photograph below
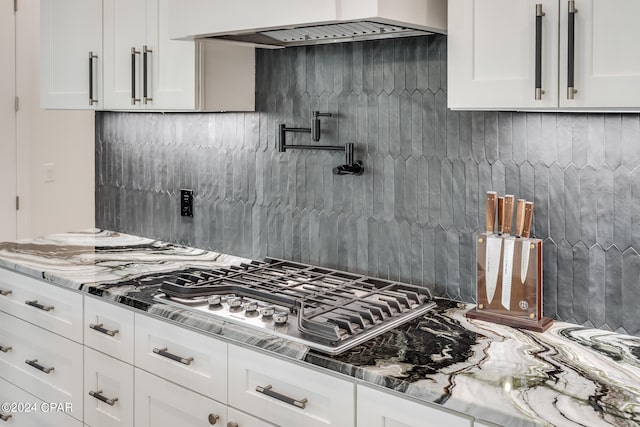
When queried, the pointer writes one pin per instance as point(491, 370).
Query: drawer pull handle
point(164, 353)
point(101, 398)
point(35, 304)
point(5, 292)
point(98, 327)
point(5, 349)
point(213, 419)
point(38, 366)
point(267, 390)
point(232, 424)
point(5, 418)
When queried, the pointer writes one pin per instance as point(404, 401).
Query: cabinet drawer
point(55, 370)
point(182, 356)
point(56, 309)
point(298, 396)
point(240, 419)
point(109, 329)
point(380, 409)
point(160, 403)
point(39, 413)
point(108, 390)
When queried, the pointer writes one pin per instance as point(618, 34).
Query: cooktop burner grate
point(335, 310)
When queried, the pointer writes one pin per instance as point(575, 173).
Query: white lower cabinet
point(109, 329)
point(108, 391)
point(25, 410)
point(287, 394)
point(379, 409)
point(160, 403)
point(42, 363)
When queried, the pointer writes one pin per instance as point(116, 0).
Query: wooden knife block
point(524, 309)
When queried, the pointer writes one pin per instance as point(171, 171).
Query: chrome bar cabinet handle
point(5, 349)
point(164, 353)
point(35, 304)
point(134, 52)
point(38, 366)
point(571, 42)
point(268, 391)
point(539, 14)
point(99, 327)
point(4, 417)
point(98, 395)
point(145, 75)
point(92, 56)
point(5, 292)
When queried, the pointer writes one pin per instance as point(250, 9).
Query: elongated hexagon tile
point(465, 135)
point(605, 213)
point(565, 280)
point(613, 140)
point(622, 208)
point(630, 138)
point(557, 203)
point(550, 279)
point(535, 144)
point(452, 141)
point(597, 284)
point(505, 135)
point(630, 291)
point(572, 205)
point(613, 288)
point(581, 283)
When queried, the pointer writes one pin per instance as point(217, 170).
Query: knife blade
point(509, 243)
point(494, 246)
point(526, 229)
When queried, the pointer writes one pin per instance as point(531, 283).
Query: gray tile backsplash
point(414, 214)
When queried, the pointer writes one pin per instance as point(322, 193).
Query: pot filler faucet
point(352, 167)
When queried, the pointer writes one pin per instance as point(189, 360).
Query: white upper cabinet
point(493, 60)
point(607, 57)
point(71, 54)
point(143, 68)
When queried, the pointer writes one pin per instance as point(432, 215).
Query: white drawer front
point(38, 414)
point(47, 352)
point(203, 367)
point(380, 409)
point(329, 401)
point(56, 309)
point(160, 403)
point(108, 391)
point(109, 329)
point(243, 420)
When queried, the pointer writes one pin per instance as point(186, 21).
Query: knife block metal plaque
point(519, 305)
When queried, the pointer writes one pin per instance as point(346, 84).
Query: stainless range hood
point(282, 23)
point(328, 33)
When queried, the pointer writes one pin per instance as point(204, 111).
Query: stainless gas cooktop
point(328, 310)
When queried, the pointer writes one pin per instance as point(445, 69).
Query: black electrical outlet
point(186, 203)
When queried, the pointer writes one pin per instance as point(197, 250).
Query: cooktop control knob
point(251, 307)
point(267, 311)
point(214, 300)
point(280, 318)
point(235, 303)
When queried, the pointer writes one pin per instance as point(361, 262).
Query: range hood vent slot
point(328, 33)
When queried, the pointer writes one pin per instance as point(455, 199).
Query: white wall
point(64, 138)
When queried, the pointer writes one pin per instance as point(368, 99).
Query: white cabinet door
point(607, 61)
point(124, 32)
point(69, 31)
point(380, 409)
point(108, 391)
point(491, 54)
point(160, 403)
point(7, 123)
point(172, 64)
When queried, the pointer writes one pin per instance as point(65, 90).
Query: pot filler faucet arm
point(350, 168)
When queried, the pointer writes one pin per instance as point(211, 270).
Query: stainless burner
point(328, 310)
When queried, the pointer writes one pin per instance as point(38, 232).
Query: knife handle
point(500, 214)
point(520, 204)
point(492, 203)
point(508, 214)
point(528, 216)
